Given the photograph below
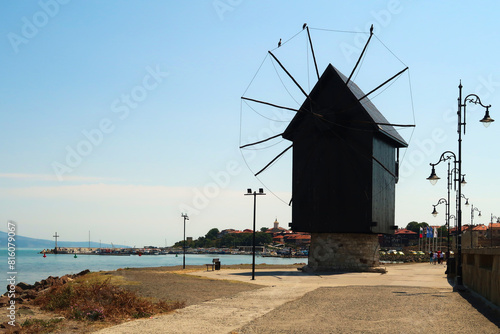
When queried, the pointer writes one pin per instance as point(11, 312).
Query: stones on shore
point(25, 292)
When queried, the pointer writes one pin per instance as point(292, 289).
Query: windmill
point(344, 168)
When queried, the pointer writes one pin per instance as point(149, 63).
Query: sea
point(30, 266)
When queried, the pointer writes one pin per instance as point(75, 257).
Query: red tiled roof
point(404, 231)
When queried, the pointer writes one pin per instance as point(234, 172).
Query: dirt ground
point(173, 284)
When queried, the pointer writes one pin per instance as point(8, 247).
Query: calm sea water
point(32, 267)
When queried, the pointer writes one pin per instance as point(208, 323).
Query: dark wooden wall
point(383, 186)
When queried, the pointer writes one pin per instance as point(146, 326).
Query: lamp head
point(487, 120)
point(261, 190)
point(433, 178)
point(249, 191)
point(463, 182)
point(434, 212)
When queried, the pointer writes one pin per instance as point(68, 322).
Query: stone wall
point(346, 252)
point(481, 272)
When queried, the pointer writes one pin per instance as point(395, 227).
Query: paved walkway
point(301, 298)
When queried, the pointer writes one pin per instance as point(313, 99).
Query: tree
point(212, 234)
point(415, 226)
point(264, 229)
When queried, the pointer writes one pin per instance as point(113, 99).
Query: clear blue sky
point(117, 116)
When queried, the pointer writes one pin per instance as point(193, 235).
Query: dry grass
point(98, 299)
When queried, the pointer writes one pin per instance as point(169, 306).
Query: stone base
point(343, 252)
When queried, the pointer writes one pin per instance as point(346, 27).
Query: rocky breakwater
point(22, 294)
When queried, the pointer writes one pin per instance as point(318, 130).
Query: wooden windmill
point(345, 167)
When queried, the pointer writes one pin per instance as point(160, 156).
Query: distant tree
point(229, 240)
point(212, 234)
point(415, 226)
point(264, 229)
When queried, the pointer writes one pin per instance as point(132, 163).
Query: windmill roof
point(335, 79)
point(374, 113)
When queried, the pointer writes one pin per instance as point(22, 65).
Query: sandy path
point(297, 298)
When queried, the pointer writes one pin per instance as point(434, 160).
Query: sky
point(118, 116)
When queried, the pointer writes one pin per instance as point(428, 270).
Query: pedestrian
point(430, 257)
point(434, 257)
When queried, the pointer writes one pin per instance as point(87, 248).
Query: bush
point(100, 300)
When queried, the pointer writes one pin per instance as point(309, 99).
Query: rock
point(4, 301)
point(65, 279)
point(25, 286)
point(19, 289)
point(29, 294)
point(83, 272)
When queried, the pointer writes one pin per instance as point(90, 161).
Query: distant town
point(279, 241)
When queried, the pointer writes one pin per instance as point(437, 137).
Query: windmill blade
point(361, 55)
point(288, 73)
point(389, 124)
point(312, 51)
point(261, 141)
point(276, 158)
point(269, 104)
point(385, 82)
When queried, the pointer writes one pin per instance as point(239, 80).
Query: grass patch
point(40, 326)
point(103, 276)
point(96, 299)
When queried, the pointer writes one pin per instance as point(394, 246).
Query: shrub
point(99, 300)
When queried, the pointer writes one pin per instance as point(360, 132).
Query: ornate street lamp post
point(472, 209)
point(249, 192)
point(447, 217)
point(433, 178)
point(462, 104)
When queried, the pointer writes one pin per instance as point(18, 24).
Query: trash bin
point(217, 264)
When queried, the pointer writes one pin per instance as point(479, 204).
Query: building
point(401, 238)
point(481, 230)
point(494, 229)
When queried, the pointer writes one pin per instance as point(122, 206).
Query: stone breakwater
point(25, 292)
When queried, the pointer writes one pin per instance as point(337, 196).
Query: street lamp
point(455, 224)
point(185, 216)
point(433, 178)
point(249, 192)
point(471, 98)
point(466, 200)
point(472, 209)
point(447, 218)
